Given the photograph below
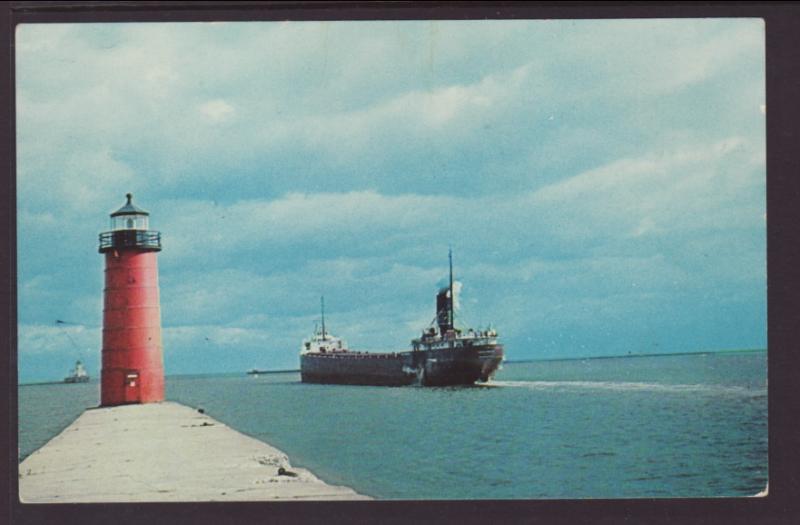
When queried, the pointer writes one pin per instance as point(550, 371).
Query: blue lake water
point(667, 426)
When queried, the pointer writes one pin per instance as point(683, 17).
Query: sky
point(602, 184)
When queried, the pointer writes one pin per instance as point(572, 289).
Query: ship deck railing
point(480, 340)
point(360, 355)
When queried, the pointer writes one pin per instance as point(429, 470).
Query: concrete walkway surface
point(163, 452)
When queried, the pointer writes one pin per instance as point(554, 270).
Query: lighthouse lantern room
point(133, 370)
point(129, 217)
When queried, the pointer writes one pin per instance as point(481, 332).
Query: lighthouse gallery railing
point(146, 239)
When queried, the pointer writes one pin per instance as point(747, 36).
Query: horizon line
point(509, 361)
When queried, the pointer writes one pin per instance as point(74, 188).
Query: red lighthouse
point(133, 367)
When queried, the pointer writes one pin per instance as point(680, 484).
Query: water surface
point(667, 426)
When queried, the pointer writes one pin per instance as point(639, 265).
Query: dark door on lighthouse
point(132, 387)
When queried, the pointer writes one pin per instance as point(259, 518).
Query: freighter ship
point(444, 355)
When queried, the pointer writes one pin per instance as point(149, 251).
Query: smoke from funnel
point(456, 292)
point(444, 318)
point(456, 295)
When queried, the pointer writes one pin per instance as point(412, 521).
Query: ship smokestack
point(443, 311)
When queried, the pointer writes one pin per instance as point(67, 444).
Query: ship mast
point(450, 303)
point(322, 303)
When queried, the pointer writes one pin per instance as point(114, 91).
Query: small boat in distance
point(257, 371)
point(443, 357)
point(78, 374)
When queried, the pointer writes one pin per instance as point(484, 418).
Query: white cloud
point(690, 187)
point(296, 216)
point(69, 341)
point(407, 120)
point(656, 57)
point(196, 337)
point(85, 180)
point(696, 187)
point(151, 86)
point(217, 110)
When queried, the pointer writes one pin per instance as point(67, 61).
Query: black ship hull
point(460, 366)
point(425, 367)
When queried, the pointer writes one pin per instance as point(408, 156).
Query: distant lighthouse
point(133, 366)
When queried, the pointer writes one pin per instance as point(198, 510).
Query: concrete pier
point(163, 452)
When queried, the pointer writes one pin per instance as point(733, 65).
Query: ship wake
point(616, 386)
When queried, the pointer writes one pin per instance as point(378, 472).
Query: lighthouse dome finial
point(129, 208)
